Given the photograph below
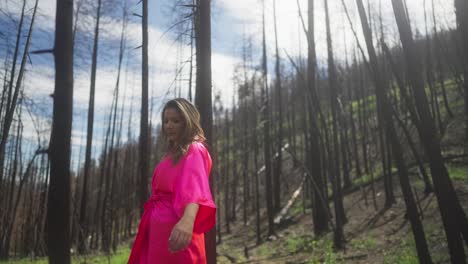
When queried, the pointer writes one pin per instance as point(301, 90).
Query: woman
point(181, 208)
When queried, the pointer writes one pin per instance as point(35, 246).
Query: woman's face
point(173, 124)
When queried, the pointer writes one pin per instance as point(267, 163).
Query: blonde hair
point(192, 130)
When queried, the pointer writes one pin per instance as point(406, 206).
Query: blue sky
point(231, 19)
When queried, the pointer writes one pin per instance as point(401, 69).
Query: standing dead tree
point(266, 131)
point(144, 128)
point(334, 154)
point(58, 203)
point(203, 98)
point(82, 234)
point(461, 9)
point(279, 122)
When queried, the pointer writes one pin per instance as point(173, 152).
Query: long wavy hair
point(191, 131)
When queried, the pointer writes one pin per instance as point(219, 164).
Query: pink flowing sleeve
point(192, 186)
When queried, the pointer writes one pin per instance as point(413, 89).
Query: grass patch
point(418, 184)
point(295, 244)
point(365, 178)
point(367, 243)
point(459, 173)
point(376, 171)
point(319, 251)
point(405, 254)
point(119, 257)
point(25, 260)
point(298, 207)
point(264, 250)
point(323, 252)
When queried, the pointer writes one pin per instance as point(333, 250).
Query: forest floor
point(373, 234)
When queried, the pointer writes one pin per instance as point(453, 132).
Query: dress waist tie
point(141, 241)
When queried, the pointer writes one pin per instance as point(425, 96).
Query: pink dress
point(173, 187)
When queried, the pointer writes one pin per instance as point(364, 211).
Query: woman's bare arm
point(182, 233)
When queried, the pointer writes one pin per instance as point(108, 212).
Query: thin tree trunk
point(441, 77)
point(82, 234)
point(245, 139)
point(338, 240)
point(266, 132)
point(427, 184)
point(354, 98)
point(144, 131)
point(235, 180)
point(227, 183)
point(279, 144)
point(319, 213)
point(256, 169)
point(362, 117)
point(99, 204)
point(108, 208)
point(192, 45)
point(430, 75)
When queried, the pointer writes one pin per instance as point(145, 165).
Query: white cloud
point(222, 74)
point(290, 33)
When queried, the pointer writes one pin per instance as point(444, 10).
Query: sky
point(232, 21)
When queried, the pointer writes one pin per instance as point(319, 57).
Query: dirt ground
point(373, 235)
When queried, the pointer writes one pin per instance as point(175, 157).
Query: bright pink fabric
point(173, 187)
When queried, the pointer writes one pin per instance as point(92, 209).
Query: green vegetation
point(226, 251)
point(367, 243)
point(406, 254)
point(121, 256)
point(459, 173)
point(329, 255)
point(264, 250)
point(377, 172)
point(298, 207)
point(370, 103)
point(26, 260)
point(365, 178)
point(294, 244)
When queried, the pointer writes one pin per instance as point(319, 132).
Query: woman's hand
point(181, 234)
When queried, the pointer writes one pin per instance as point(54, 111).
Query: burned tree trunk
point(279, 143)
point(58, 205)
point(203, 98)
point(82, 234)
point(144, 129)
point(266, 131)
point(334, 154)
